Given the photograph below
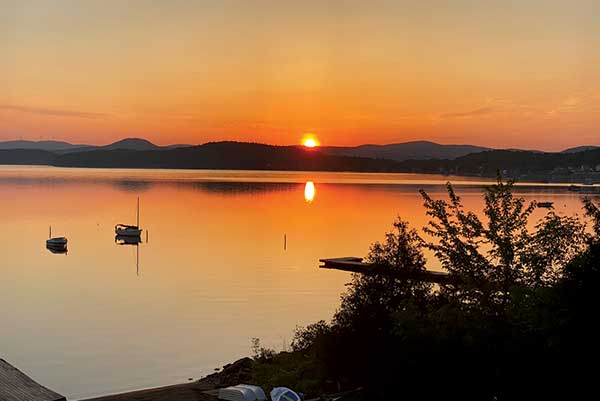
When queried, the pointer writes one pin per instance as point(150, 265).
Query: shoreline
point(204, 389)
point(194, 391)
point(299, 176)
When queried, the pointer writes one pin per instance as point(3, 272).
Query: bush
point(517, 326)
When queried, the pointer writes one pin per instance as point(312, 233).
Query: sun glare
point(310, 141)
point(309, 191)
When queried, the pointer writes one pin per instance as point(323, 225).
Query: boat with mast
point(126, 230)
point(56, 243)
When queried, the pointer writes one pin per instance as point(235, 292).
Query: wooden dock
point(356, 265)
point(17, 386)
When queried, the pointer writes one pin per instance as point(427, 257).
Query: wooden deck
point(356, 265)
point(17, 386)
point(178, 392)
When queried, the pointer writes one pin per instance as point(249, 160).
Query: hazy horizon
point(283, 144)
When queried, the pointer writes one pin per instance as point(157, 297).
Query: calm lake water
point(107, 318)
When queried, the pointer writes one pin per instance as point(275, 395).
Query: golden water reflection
point(214, 276)
point(309, 191)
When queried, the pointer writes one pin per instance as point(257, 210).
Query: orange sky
point(497, 73)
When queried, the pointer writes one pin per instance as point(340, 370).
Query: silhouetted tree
point(494, 256)
point(593, 211)
point(517, 325)
point(371, 296)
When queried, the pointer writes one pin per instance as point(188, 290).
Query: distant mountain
point(417, 150)
point(27, 156)
point(224, 155)
point(40, 145)
point(65, 147)
point(580, 149)
point(580, 166)
point(131, 144)
point(518, 164)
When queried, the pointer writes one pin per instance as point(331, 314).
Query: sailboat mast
point(138, 212)
point(49, 231)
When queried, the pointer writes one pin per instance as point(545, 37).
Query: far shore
point(331, 176)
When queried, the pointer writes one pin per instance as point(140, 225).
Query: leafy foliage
point(260, 353)
point(517, 325)
point(372, 297)
point(494, 256)
point(290, 369)
point(305, 337)
point(593, 211)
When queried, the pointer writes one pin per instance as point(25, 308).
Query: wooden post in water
point(284, 242)
point(138, 212)
point(146, 236)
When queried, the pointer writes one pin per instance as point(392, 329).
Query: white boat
point(126, 230)
point(242, 392)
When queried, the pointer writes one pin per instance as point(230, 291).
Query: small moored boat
point(58, 251)
point(57, 242)
point(127, 240)
point(123, 230)
point(546, 205)
point(127, 230)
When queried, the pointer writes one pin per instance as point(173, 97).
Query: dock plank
point(178, 392)
point(17, 386)
point(356, 265)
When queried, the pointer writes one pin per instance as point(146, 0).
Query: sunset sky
point(497, 73)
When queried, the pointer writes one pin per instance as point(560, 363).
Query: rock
point(231, 375)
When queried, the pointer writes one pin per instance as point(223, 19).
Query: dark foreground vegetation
point(521, 325)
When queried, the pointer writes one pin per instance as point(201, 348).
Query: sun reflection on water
point(309, 191)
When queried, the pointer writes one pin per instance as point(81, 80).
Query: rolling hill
point(131, 144)
point(580, 149)
point(417, 150)
point(224, 155)
point(65, 147)
point(27, 156)
point(580, 166)
point(513, 163)
point(50, 146)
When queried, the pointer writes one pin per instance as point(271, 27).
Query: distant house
point(17, 386)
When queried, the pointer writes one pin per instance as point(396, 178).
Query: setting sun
point(310, 141)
